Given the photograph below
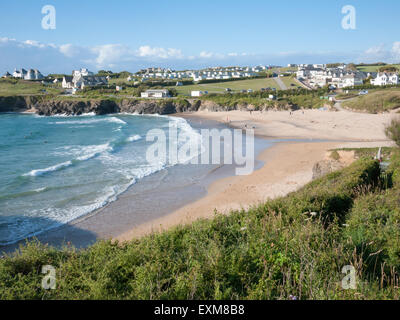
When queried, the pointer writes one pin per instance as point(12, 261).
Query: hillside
point(296, 245)
point(376, 101)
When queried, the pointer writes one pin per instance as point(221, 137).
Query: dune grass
point(296, 245)
point(377, 101)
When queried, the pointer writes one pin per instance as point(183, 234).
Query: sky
point(185, 34)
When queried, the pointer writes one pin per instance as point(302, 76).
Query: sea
point(56, 169)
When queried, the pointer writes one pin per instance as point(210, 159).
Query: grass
point(271, 251)
point(374, 68)
point(370, 153)
point(376, 101)
point(290, 82)
point(393, 131)
point(14, 87)
point(236, 86)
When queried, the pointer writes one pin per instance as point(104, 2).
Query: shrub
point(268, 252)
point(393, 131)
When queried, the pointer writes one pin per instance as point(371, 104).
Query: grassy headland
point(376, 101)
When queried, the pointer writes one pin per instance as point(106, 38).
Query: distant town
point(154, 79)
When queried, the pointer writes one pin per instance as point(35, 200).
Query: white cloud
point(110, 54)
point(147, 51)
point(69, 50)
point(211, 55)
point(6, 40)
point(205, 54)
point(396, 51)
point(50, 58)
point(382, 53)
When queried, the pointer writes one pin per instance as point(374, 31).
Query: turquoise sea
point(56, 169)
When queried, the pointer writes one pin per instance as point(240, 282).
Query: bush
point(393, 131)
point(271, 251)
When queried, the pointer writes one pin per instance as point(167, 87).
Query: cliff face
point(70, 107)
point(47, 107)
point(15, 104)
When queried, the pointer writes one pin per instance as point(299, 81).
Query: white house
point(350, 80)
point(20, 73)
point(384, 79)
point(82, 72)
point(79, 82)
point(31, 74)
point(164, 93)
point(197, 93)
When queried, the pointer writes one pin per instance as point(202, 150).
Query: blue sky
point(130, 34)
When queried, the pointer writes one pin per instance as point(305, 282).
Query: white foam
point(39, 172)
point(109, 194)
point(134, 138)
point(90, 121)
point(90, 152)
point(81, 153)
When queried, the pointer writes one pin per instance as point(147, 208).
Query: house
point(351, 80)
point(197, 93)
point(384, 79)
point(67, 82)
point(82, 72)
point(32, 74)
point(78, 81)
point(7, 75)
point(164, 93)
point(19, 74)
point(88, 81)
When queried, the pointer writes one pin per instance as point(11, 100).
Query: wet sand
point(288, 165)
point(183, 194)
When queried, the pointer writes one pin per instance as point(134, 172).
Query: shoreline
point(280, 174)
point(241, 192)
point(152, 197)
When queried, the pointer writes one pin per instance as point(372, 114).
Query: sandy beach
point(287, 165)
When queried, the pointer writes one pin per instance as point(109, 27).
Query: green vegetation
point(370, 153)
point(389, 68)
point(393, 131)
point(290, 82)
point(335, 155)
point(285, 99)
point(376, 67)
point(377, 101)
point(296, 245)
point(14, 87)
point(345, 96)
point(238, 85)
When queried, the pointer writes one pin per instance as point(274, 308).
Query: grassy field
point(290, 82)
point(236, 86)
point(292, 246)
point(11, 87)
point(376, 101)
point(374, 68)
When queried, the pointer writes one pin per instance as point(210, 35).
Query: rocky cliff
point(44, 105)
